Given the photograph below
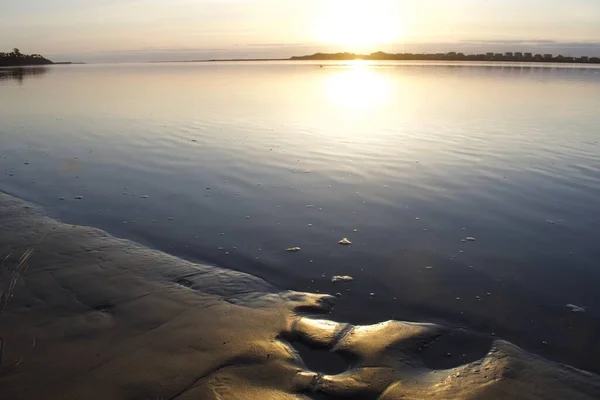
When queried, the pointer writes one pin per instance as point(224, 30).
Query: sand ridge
point(97, 317)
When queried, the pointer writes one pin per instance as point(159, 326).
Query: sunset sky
point(130, 30)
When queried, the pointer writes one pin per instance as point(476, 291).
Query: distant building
point(528, 56)
point(584, 59)
point(519, 55)
point(538, 57)
point(508, 54)
point(548, 57)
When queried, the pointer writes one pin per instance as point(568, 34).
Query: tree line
point(17, 59)
point(451, 56)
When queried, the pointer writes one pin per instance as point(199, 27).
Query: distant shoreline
point(516, 57)
point(451, 56)
point(18, 59)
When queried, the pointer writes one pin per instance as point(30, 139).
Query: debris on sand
point(345, 242)
point(342, 278)
point(575, 308)
point(293, 249)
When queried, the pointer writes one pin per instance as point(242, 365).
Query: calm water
point(231, 164)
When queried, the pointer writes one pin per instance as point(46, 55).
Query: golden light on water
point(357, 88)
point(360, 25)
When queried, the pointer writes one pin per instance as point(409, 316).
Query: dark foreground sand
point(96, 317)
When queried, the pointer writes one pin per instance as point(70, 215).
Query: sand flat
point(97, 317)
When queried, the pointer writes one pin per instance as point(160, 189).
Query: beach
point(281, 230)
point(116, 320)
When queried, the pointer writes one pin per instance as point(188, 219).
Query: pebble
point(342, 278)
point(78, 197)
point(429, 267)
point(575, 308)
point(144, 197)
point(345, 242)
point(293, 249)
point(61, 198)
point(247, 217)
point(470, 239)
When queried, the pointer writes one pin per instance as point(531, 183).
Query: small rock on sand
point(345, 242)
point(342, 278)
point(78, 197)
point(575, 308)
point(470, 239)
point(293, 249)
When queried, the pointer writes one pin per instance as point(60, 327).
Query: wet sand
point(99, 317)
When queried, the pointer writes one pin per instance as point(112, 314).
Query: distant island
point(451, 56)
point(18, 59)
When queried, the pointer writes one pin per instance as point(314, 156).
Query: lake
point(469, 192)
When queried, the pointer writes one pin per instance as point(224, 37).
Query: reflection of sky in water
point(415, 158)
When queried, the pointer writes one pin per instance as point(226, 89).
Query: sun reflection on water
point(359, 88)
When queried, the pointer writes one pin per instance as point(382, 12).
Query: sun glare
point(358, 25)
point(357, 89)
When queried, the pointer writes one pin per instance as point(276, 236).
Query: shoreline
point(119, 320)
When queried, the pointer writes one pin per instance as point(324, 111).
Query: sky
point(145, 30)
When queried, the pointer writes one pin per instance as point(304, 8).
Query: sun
point(357, 25)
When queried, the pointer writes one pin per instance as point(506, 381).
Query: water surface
point(232, 163)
